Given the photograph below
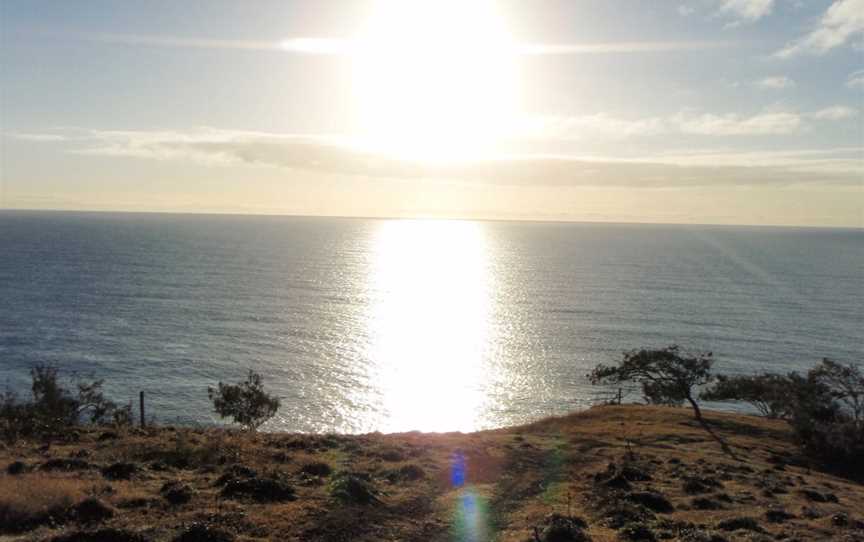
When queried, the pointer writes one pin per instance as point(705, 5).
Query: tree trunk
point(696, 411)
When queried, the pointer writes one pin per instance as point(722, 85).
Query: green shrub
point(354, 488)
point(246, 403)
point(53, 407)
point(767, 392)
point(828, 417)
point(825, 409)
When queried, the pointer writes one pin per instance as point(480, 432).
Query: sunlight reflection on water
point(430, 311)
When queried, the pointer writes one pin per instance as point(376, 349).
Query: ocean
point(365, 325)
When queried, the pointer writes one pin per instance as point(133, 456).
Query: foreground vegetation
point(615, 472)
point(825, 407)
point(610, 473)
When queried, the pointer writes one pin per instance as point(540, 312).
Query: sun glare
point(434, 80)
point(430, 324)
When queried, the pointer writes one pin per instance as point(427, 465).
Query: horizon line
point(426, 217)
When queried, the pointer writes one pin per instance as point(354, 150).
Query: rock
point(177, 492)
point(92, 510)
point(120, 471)
point(202, 532)
point(259, 489)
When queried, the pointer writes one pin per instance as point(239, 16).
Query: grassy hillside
point(609, 473)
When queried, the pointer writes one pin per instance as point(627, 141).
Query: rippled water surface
point(389, 325)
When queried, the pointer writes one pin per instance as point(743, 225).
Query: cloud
point(338, 155)
point(617, 47)
point(856, 80)
point(606, 126)
point(39, 137)
point(777, 82)
point(843, 21)
point(736, 125)
point(324, 45)
point(746, 10)
point(837, 112)
point(685, 10)
point(598, 125)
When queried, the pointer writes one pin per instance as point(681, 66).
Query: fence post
point(141, 403)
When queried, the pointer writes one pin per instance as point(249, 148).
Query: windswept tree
point(246, 403)
point(845, 384)
point(668, 376)
point(771, 394)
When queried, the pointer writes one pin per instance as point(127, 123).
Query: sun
point(434, 79)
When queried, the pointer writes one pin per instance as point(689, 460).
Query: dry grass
point(514, 478)
point(34, 499)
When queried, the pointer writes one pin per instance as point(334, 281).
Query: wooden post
point(141, 403)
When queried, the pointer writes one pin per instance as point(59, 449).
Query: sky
point(710, 111)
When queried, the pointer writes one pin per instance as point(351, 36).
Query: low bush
point(246, 403)
point(828, 416)
point(825, 409)
point(354, 488)
point(767, 392)
point(54, 408)
point(273, 488)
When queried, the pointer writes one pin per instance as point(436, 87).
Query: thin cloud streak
point(856, 80)
point(311, 45)
point(746, 10)
point(777, 82)
point(688, 122)
point(339, 155)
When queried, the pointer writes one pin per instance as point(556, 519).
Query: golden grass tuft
point(33, 499)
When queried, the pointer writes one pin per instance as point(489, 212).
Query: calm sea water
point(388, 325)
